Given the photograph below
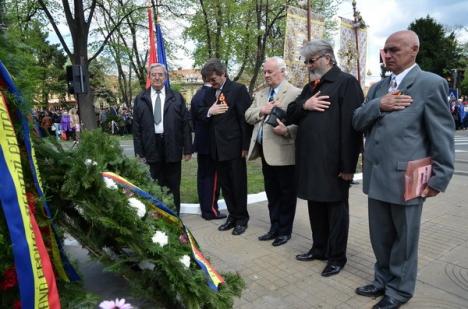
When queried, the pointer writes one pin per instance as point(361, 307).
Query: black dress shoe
point(213, 217)
point(268, 236)
point(229, 224)
point(331, 270)
point(309, 256)
point(281, 240)
point(370, 290)
point(239, 229)
point(388, 302)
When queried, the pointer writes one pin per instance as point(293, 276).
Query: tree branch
point(56, 29)
point(106, 39)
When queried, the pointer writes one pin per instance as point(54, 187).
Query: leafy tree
point(464, 66)
point(439, 51)
point(36, 65)
point(79, 16)
point(242, 33)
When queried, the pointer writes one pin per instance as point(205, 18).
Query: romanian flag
point(156, 52)
point(152, 58)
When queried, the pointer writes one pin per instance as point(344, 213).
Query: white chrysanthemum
point(110, 183)
point(185, 260)
point(138, 205)
point(89, 162)
point(115, 304)
point(160, 238)
point(146, 265)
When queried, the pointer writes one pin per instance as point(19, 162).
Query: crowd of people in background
point(459, 109)
point(65, 124)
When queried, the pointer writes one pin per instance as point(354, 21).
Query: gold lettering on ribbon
point(9, 143)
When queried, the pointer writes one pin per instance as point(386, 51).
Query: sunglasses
point(312, 61)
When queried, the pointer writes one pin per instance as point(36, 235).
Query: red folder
point(417, 175)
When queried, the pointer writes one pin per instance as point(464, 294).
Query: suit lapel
point(409, 79)
point(169, 99)
point(147, 99)
point(383, 87)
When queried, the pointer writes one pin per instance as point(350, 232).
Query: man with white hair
point(327, 149)
point(162, 132)
point(273, 142)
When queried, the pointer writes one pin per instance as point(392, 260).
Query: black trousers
point(280, 189)
point(233, 181)
point(207, 185)
point(330, 225)
point(167, 174)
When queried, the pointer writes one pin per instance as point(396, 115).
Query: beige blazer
point(277, 150)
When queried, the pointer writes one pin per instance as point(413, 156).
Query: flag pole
point(356, 26)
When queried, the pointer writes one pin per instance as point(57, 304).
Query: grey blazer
point(425, 128)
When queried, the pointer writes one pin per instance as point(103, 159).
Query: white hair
point(279, 62)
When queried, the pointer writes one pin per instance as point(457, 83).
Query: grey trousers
point(394, 233)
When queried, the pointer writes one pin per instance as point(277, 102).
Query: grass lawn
point(188, 187)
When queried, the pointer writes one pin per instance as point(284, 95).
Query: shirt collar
point(399, 77)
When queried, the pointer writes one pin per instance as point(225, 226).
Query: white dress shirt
point(159, 128)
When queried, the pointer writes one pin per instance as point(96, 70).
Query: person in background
point(75, 123)
point(207, 177)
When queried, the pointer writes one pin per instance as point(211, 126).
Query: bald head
point(401, 49)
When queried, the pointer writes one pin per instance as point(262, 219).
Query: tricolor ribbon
point(36, 279)
point(214, 278)
point(61, 263)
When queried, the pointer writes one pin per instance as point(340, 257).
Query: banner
point(347, 54)
point(295, 37)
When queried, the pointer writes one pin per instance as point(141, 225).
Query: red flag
point(152, 58)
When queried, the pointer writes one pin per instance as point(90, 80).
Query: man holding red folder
point(406, 117)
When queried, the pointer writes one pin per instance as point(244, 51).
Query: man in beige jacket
point(273, 141)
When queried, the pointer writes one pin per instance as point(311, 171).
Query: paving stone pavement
point(274, 279)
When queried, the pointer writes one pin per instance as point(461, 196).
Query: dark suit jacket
point(177, 130)
point(425, 128)
point(201, 143)
point(229, 133)
point(326, 143)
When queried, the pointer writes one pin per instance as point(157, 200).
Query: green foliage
point(439, 51)
point(242, 33)
point(36, 65)
point(102, 221)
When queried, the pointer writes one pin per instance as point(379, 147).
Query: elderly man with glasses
point(327, 150)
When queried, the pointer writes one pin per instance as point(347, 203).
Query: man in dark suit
point(161, 131)
point(327, 149)
point(224, 108)
point(207, 177)
point(405, 117)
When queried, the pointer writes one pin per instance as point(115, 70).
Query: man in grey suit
point(273, 141)
point(405, 117)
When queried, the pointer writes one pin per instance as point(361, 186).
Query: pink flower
point(115, 304)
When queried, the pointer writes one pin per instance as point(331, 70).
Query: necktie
point(272, 95)
point(218, 92)
point(260, 130)
point(393, 84)
point(157, 108)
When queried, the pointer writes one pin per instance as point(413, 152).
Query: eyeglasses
point(312, 61)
